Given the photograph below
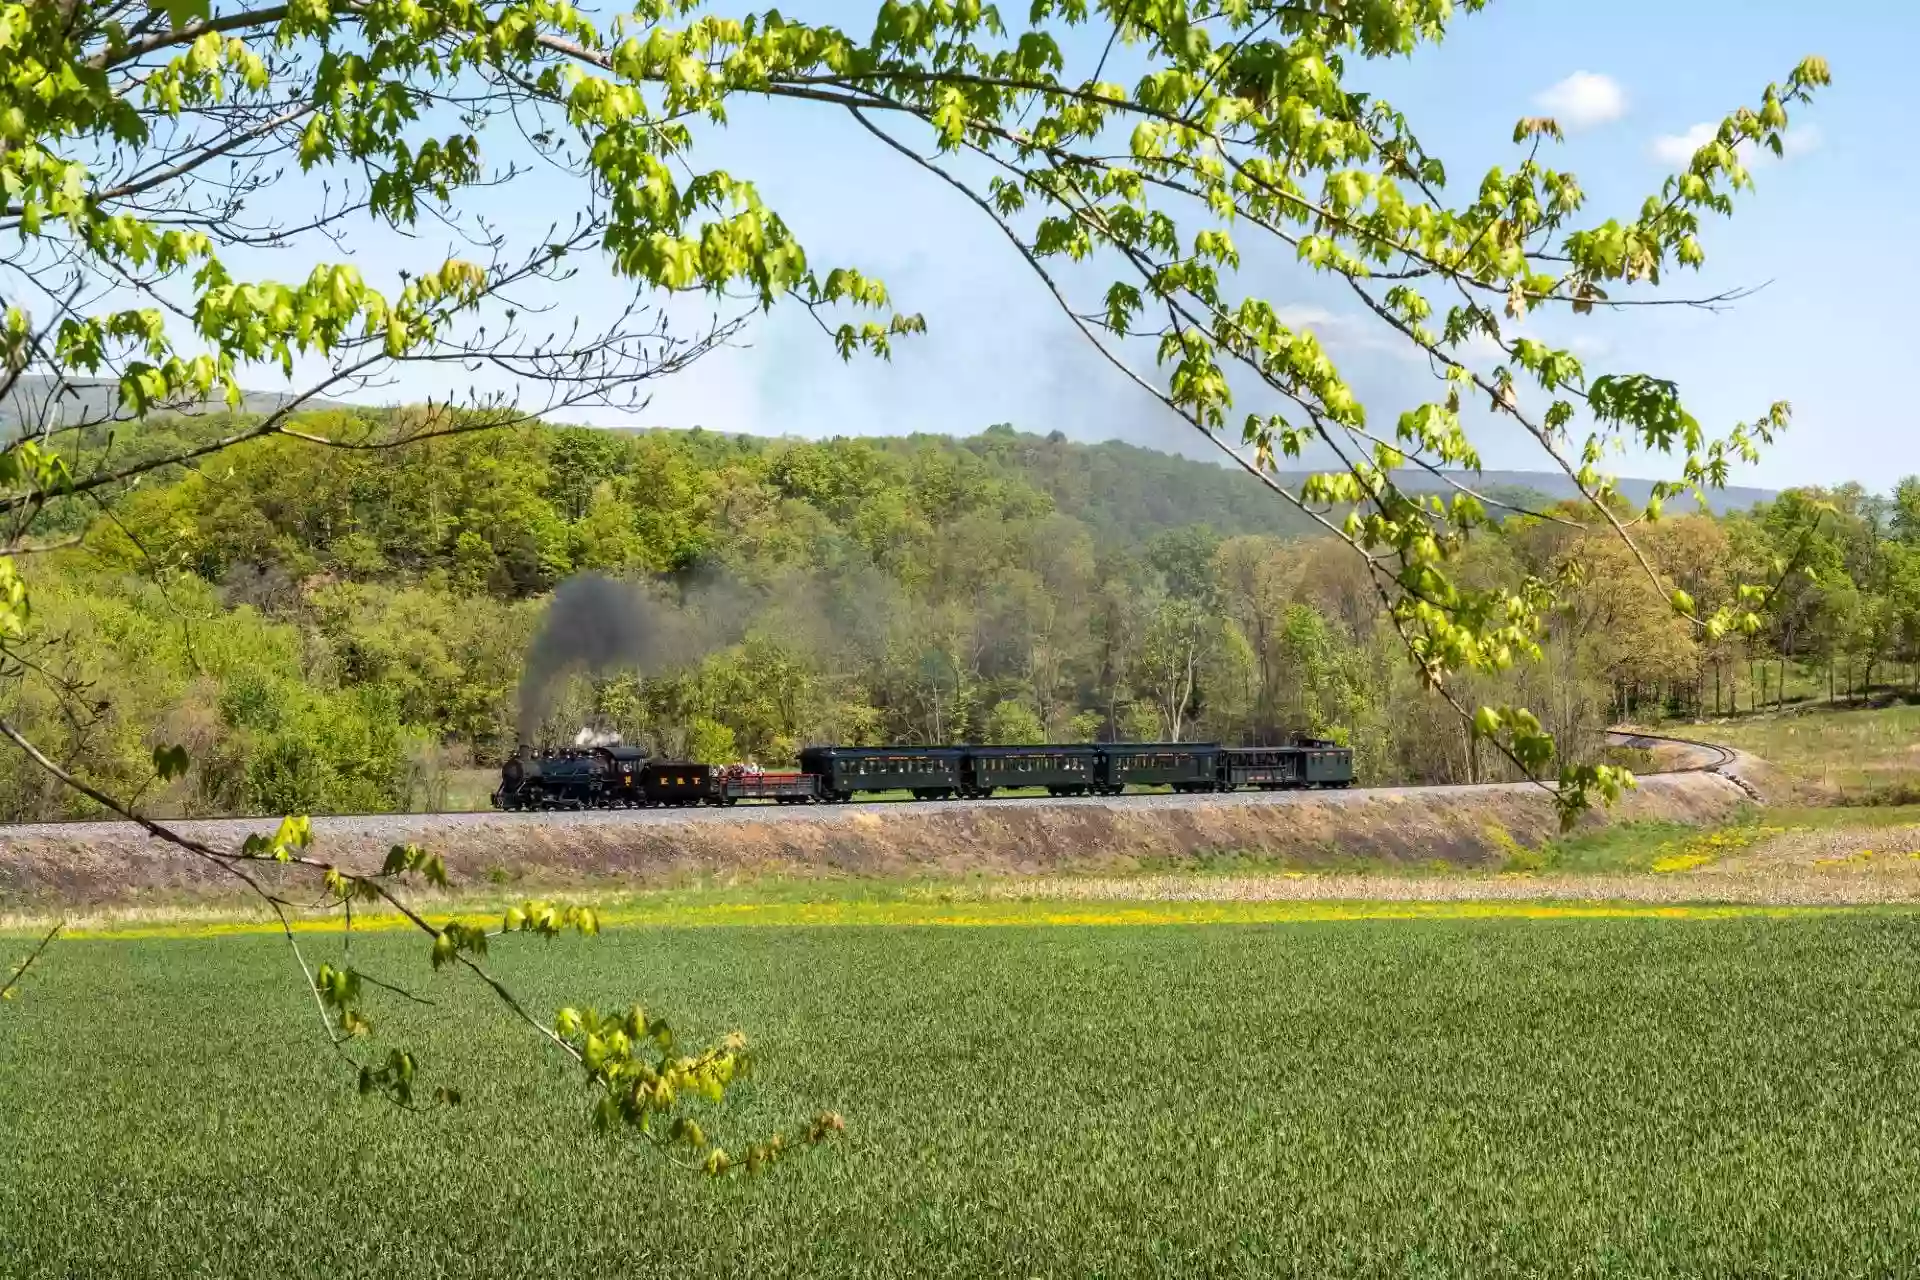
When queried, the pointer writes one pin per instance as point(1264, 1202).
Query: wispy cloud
point(1350, 332)
point(1583, 100)
point(1798, 142)
point(1677, 149)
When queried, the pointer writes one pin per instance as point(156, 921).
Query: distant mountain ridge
point(1555, 486)
point(91, 399)
point(1121, 491)
point(1127, 492)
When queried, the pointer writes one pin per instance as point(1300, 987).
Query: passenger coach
point(616, 777)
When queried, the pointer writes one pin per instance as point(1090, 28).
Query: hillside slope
point(348, 629)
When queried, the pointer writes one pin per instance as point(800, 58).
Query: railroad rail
point(1719, 761)
point(1721, 764)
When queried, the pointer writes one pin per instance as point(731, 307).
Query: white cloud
point(1303, 316)
point(1677, 149)
point(1797, 142)
point(1584, 99)
point(1350, 332)
point(1481, 351)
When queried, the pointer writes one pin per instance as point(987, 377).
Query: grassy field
point(1728, 1094)
point(1863, 756)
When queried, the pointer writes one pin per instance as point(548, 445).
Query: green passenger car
point(1184, 766)
point(1064, 770)
point(930, 773)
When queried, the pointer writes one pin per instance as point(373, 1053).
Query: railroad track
point(399, 826)
point(1722, 756)
point(1720, 763)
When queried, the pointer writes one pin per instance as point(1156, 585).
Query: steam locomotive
point(623, 777)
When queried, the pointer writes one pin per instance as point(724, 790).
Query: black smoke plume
point(599, 625)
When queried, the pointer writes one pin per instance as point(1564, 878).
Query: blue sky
point(1830, 231)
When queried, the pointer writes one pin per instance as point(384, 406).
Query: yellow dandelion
point(1680, 862)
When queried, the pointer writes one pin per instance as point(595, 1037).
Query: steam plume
point(598, 625)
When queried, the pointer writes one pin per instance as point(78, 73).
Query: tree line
point(342, 630)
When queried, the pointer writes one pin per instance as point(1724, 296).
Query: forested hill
point(1544, 487)
point(1123, 493)
point(327, 629)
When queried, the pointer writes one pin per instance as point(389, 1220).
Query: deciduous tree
point(137, 141)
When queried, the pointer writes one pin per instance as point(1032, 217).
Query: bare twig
point(20, 970)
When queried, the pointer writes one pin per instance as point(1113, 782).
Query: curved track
point(399, 826)
point(1722, 756)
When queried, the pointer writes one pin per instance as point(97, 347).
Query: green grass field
point(1439, 1097)
point(1864, 755)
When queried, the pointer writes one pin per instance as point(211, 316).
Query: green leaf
point(182, 12)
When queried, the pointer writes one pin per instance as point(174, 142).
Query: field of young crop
point(1727, 1094)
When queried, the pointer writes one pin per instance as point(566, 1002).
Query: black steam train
point(621, 777)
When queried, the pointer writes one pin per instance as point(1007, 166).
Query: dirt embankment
point(1465, 826)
